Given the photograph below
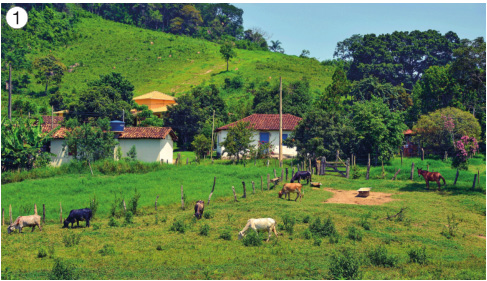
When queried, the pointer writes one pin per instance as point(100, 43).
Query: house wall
point(273, 139)
point(61, 157)
point(154, 103)
point(167, 150)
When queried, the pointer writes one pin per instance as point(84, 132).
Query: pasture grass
point(148, 250)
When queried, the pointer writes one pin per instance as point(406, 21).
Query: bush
point(132, 154)
point(450, 230)
point(356, 172)
point(70, 240)
point(208, 215)
point(159, 248)
point(106, 250)
point(364, 222)
point(113, 222)
point(354, 234)
point(226, 235)
point(306, 219)
point(418, 255)
point(204, 230)
point(134, 201)
point(93, 206)
point(252, 239)
point(178, 226)
point(129, 218)
point(307, 234)
point(380, 257)
point(317, 241)
point(345, 264)
point(63, 271)
point(289, 223)
point(42, 253)
point(334, 238)
point(323, 230)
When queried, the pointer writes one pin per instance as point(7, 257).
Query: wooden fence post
point(456, 177)
point(474, 181)
point(60, 212)
point(253, 187)
point(244, 190)
point(348, 168)
point(282, 175)
point(261, 184)
point(422, 154)
point(412, 171)
point(446, 155)
point(401, 156)
point(182, 198)
point(212, 189)
point(368, 168)
point(43, 213)
point(395, 175)
point(275, 176)
point(324, 165)
point(155, 204)
point(428, 167)
point(10, 213)
point(35, 208)
point(310, 167)
point(286, 173)
point(124, 206)
point(267, 162)
point(268, 181)
point(234, 194)
point(383, 171)
point(292, 175)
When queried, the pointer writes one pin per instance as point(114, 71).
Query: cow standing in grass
point(289, 188)
point(25, 221)
point(77, 216)
point(301, 175)
point(266, 224)
point(199, 207)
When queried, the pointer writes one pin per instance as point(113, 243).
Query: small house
point(266, 128)
point(156, 101)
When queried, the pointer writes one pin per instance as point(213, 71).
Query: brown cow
point(431, 176)
point(289, 188)
point(199, 208)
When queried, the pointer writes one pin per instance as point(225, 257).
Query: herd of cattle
point(263, 224)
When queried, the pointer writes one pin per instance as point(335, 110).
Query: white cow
point(25, 221)
point(266, 224)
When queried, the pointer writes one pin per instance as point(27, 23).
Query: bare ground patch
point(350, 197)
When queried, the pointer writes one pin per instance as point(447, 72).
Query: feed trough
point(316, 184)
point(364, 192)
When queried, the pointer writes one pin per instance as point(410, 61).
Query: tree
point(115, 80)
point(227, 51)
point(305, 54)
point(201, 144)
point(49, 69)
point(322, 133)
point(185, 118)
point(238, 141)
point(435, 131)
point(276, 47)
point(379, 131)
point(336, 92)
point(343, 49)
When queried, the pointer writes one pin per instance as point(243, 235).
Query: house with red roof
point(266, 128)
point(152, 144)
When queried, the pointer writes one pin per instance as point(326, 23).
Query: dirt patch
point(481, 236)
point(350, 197)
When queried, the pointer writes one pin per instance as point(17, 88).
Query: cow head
point(280, 194)
point(10, 229)
point(66, 223)
point(241, 234)
point(420, 171)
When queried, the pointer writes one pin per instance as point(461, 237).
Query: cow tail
point(444, 182)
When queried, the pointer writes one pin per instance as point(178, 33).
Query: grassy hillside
point(148, 249)
point(167, 63)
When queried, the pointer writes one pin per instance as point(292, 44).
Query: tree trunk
point(227, 65)
point(9, 91)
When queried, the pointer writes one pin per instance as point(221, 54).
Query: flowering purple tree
point(466, 147)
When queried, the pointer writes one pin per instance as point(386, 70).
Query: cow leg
point(427, 184)
point(34, 227)
point(439, 184)
point(20, 229)
point(269, 236)
point(297, 196)
point(39, 225)
point(274, 229)
point(78, 223)
point(87, 223)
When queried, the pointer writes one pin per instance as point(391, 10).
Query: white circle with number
point(17, 17)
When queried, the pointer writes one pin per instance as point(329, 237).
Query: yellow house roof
point(155, 95)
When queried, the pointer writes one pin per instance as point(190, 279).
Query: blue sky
point(318, 27)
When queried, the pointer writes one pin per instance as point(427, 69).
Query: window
point(264, 137)
point(284, 136)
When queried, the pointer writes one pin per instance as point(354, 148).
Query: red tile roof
point(47, 119)
point(267, 122)
point(409, 132)
point(147, 133)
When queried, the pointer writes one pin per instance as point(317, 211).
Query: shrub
point(63, 271)
point(132, 154)
point(129, 218)
point(334, 238)
point(364, 222)
point(134, 201)
point(178, 226)
point(322, 230)
point(450, 230)
point(42, 253)
point(113, 222)
point(289, 223)
point(106, 250)
point(93, 206)
point(252, 239)
point(380, 257)
point(208, 215)
point(159, 248)
point(345, 264)
point(418, 255)
point(356, 172)
point(306, 219)
point(354, 234)
point(225, 234)
point(204, 230)
point(317, 241)
point(51, 250)
point(70, 240)
point(307, 234)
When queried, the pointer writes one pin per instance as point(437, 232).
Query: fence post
point(124, 206)
point(35, 208)
point(324, 165)
point(446, 155)
point(428, 167)
point(310, 167)
point(422, 154)
point(253, 187)
point(275, 176)
point(267, 162)
point(412, 171)
point(292, 175)
point(182, 198)
point(368, 168)
point(212, 189)
point(456, 177)
point(286, 173)
point(474, 180)
point(261, 184)
point(155, 204)
point(268, 181)
point(244, 190)
point(10, 213)
point(395, 175)
point(401, 156)
point(234, 194)
point(348, 168)
point(43, 213)
point(282, 175)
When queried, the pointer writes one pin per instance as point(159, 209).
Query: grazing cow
point(289, 188)
point(199, 207)
point(266, 224)
point(430, 176)
point(77, 216)
point(25, 221)
point(301, 175)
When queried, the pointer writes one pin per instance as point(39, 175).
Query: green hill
point(153, 60)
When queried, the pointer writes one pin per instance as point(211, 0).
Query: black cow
point(301, 175)
point(198, 209)
point(77, 216)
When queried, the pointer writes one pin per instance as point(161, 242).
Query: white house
point(152, 144)
point(266, 128)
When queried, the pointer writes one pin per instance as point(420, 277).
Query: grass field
point(148, 249)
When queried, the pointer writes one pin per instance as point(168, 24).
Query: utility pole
point(280, 122)
point(212, 133)
point(10, 91)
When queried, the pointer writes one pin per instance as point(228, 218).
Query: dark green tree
point(49, 69)
point(201, 145)
point(227, 51)
point(239, 139)
point(186, 118)
point(337, 92)
point(115, 80)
